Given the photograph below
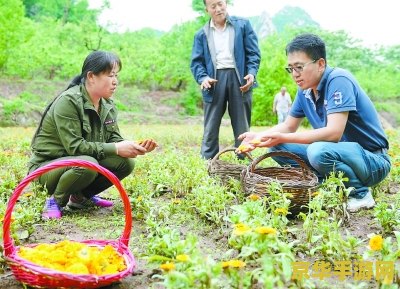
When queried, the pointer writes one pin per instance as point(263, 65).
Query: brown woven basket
point(299, 182)
point(224, 169)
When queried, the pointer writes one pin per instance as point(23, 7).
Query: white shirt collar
point(212, 25)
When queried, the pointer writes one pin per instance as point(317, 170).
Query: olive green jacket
point(72, 127)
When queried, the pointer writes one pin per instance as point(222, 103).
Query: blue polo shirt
point(338, 92)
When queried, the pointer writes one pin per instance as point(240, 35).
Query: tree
point(12, 25)
point(64, 10)
point(140, 54)
point(270, 78)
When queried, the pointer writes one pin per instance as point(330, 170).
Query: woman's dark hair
point(96, 62)
point(311, 44)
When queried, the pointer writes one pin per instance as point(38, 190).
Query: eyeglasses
point(298, 68)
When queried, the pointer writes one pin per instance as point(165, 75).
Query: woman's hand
point(129, 149)
point(148, 144)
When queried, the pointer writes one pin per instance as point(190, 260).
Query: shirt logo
point(338, 98)
point(109, 121)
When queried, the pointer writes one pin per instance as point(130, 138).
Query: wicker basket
point(224, 169)
point(299, 182)
point(39, 277)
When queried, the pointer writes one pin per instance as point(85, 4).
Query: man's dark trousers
point(226, 92)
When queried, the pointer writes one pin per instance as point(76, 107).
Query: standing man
point(282, 104)
point(225, 62)
point(347, 134)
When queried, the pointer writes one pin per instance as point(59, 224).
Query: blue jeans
point(282, 115)
point(362, 167)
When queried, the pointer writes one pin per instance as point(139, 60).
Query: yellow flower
point(110, 269)
point(376, 242)
point(265, 230)
point(182, 258)
point(237, 263)
point(254, 197)
point(176, 201)
point(167, 266)
point(27, 195)
point(243, 148)
point(225, 264)
point(233, 264)
point(85, 256)
point(58, 257)
point(281, 211)
point(139, 198)
point(315, 194)
point(241, 229)
point(77, 268)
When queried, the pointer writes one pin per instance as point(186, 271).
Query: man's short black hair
point(309, 43)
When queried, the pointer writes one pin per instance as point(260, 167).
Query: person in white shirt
point(282, 104)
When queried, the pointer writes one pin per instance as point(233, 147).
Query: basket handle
point(304, 167)
point(8, 241)
point(228, 149)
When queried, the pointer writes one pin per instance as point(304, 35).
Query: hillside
point(288, 17)
point(22, 102)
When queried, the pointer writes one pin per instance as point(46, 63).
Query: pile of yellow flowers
point(74, 257)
